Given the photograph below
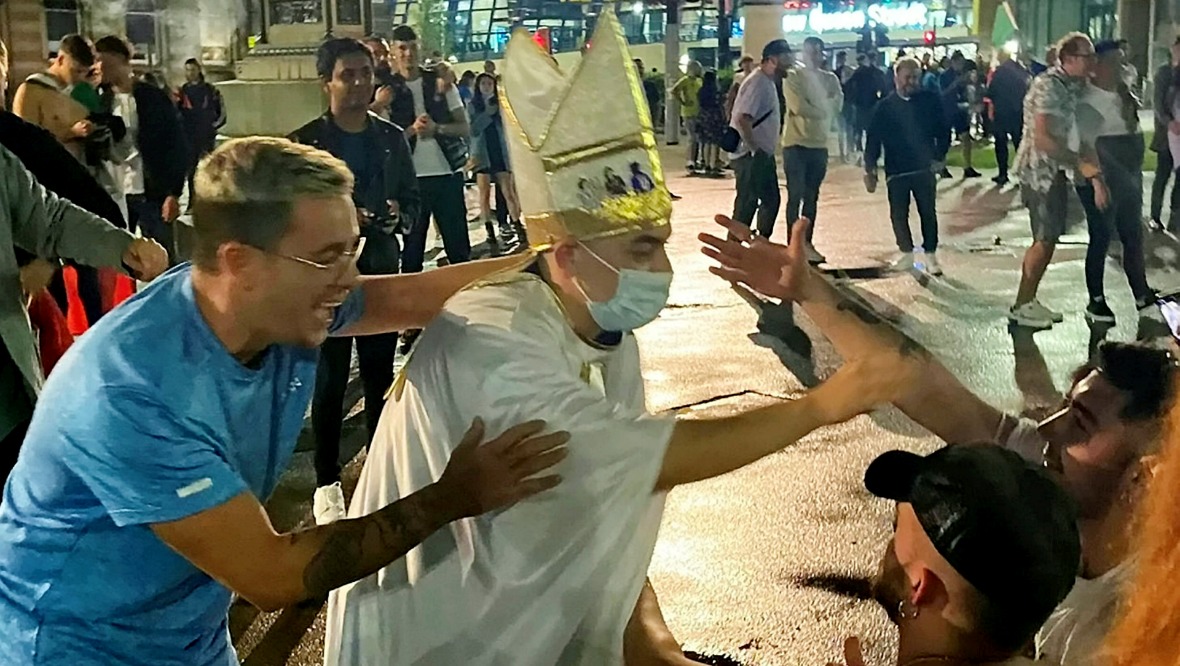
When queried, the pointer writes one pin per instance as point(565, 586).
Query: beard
point(890, 585)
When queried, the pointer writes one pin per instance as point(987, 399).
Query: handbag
point(731, 138)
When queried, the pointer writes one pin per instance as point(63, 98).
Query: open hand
point(852, 654)
point(863, 384)
point(771, 269)
point(170, 211)
point(1101, 194)
point(485, 477)
point(384, 97)
point(146, 259)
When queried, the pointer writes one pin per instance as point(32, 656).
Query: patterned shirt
point(1053, 93)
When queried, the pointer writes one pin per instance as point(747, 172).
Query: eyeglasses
point(346, 260)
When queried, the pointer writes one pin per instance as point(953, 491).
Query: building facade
point(165, 32)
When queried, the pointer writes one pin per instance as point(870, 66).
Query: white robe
point(552, 580)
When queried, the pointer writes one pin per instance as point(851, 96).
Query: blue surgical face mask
point(638, 300)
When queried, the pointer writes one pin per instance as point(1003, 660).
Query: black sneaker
point(1145, 305)
point(971, 173)
point(1098, 312)
point(1154, 225)
point(1001, 180)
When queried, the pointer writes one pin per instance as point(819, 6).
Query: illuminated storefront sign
point(899, 15)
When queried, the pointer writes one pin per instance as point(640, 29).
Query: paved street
point(769, 565)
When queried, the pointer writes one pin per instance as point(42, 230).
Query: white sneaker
point(903, 263)
point(929, 264)
point(328, 506)
point(1045, 313)
point(1029, 316)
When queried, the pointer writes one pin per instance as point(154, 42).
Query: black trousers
point(756, 178)
point(923, 188)
point(375, 354)
point(442, 199)
point(199, 147)
point(1164, 169)
point(1002, 132)
point(89, 292)
point(1121, 158)
point(805, 169)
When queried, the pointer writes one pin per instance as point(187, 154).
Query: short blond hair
point(1071, 43)
point(908, 62)
point(246, 189)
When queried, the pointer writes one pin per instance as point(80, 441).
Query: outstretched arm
point(412, 300)
point(939, 401)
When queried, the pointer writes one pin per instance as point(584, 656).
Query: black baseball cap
point(776, 47)
point(1004, 524)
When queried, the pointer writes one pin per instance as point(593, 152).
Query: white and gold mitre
point(582, 146)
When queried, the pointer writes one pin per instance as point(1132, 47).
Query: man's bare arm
point(934, 398)
point(703, 449)
point(236, 544)
point(412, 300)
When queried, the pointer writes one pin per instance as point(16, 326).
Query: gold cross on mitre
point(582, 146)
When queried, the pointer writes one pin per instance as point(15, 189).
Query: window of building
point(295, 12)
point(348, 12)
point(1100, 18)
point(61, 19)
point(141, 25)
point(480, 29)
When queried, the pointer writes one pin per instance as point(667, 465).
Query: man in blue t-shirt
point(135, 509)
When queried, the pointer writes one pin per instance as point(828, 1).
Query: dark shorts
point(1047, 210)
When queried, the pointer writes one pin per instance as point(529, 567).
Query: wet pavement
point(769, 565)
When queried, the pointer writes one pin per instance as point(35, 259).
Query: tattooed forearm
point(862, 312)
point(889, 333)
point(350, 550)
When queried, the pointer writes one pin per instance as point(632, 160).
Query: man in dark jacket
point(156, 173)
point(1165, 92)
point(1007, 89)
point(863, 90)
point(911, 129)
point(203, 113)
point(385, 194)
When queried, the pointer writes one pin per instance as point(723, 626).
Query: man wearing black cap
point(985, 546)
point(1101, 446)
point(757, 117)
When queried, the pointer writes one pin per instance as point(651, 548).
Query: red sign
point(541, 37)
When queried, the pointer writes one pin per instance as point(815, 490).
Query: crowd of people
point(508, 507)
point(1075, 127)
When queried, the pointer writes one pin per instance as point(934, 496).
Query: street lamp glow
point(1012, 46)
point(637, 9)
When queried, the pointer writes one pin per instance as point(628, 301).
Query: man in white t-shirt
point(435, 123)
point(1101, 445)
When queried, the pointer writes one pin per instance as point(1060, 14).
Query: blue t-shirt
point(147, 419)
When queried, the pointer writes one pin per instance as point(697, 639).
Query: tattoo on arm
point(353, 549)
point(861, 311)
point(907, 346)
